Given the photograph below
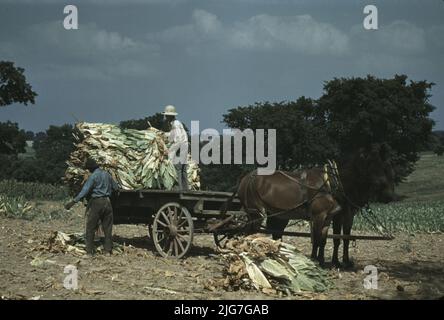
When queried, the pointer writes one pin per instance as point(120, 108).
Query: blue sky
point(129, 59)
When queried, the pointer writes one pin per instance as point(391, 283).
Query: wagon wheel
point(237, 227)
point(221, 239)
point(172, 230)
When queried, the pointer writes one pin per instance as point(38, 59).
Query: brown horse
point(291, 195)
point(309, 194)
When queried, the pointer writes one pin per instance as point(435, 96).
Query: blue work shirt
point(99, 184)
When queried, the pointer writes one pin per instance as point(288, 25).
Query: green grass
point(407, 216)
point(33, 191)
point(20, 208)
point(422, 206)
point(426, 182)
point(15, 207)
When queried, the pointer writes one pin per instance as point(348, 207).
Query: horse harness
point(331, 183)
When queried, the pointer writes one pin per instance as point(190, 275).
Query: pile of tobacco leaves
point(259, 263)
point(135, 158)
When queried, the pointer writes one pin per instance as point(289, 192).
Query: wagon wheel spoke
point(160, 236)
point(175, 212)
point(182, 223)
point(182, 237)
point(170, 214)
point(176, 253)
point(167, 220)
point(180, 215)
point(180, 244)
point(162, 224)
point(170, 250)
point(161, 239)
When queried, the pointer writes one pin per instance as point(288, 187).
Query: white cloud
point(88, 51)
point(302, 34)
point(397, 38)
point(204, 27)
point(87, 40)
point(299, 33)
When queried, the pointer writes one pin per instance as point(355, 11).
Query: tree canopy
point(359, 112)
point(300, 140)
point(352, 113)
point(155, 120)
point(12, 139)
point(13, 85)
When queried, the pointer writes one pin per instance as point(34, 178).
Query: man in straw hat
point(178, 150)
point(98, 188)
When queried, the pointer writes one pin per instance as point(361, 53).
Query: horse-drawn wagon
point(174, 217)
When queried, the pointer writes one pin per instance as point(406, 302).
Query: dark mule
point(366, 176)
point(290, 195)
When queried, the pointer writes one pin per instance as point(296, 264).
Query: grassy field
point(422, 206)
point(33, 191)
point(426, 182)
point(420, 210)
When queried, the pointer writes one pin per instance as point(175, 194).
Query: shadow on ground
point(145, 242)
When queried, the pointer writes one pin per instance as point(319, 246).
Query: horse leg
point(277, 226)
point(317, 223)
point(327, 216)
point(347, 226)
point(337, 226)
point(323, 211)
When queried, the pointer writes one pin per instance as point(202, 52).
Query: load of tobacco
point(137, 159)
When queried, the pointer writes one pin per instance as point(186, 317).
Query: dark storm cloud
point(129, 59)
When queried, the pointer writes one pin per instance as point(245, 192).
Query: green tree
point(13, 85)
point(300, 141)
point(155, 120)
point(53, 151)
point(12, 139)
point(12, 142)
point(358, 112)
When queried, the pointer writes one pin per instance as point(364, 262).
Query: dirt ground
point(409, 267)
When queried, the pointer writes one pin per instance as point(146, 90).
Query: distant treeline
point(352, 114)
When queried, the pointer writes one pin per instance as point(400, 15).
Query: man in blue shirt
point(99, 188)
